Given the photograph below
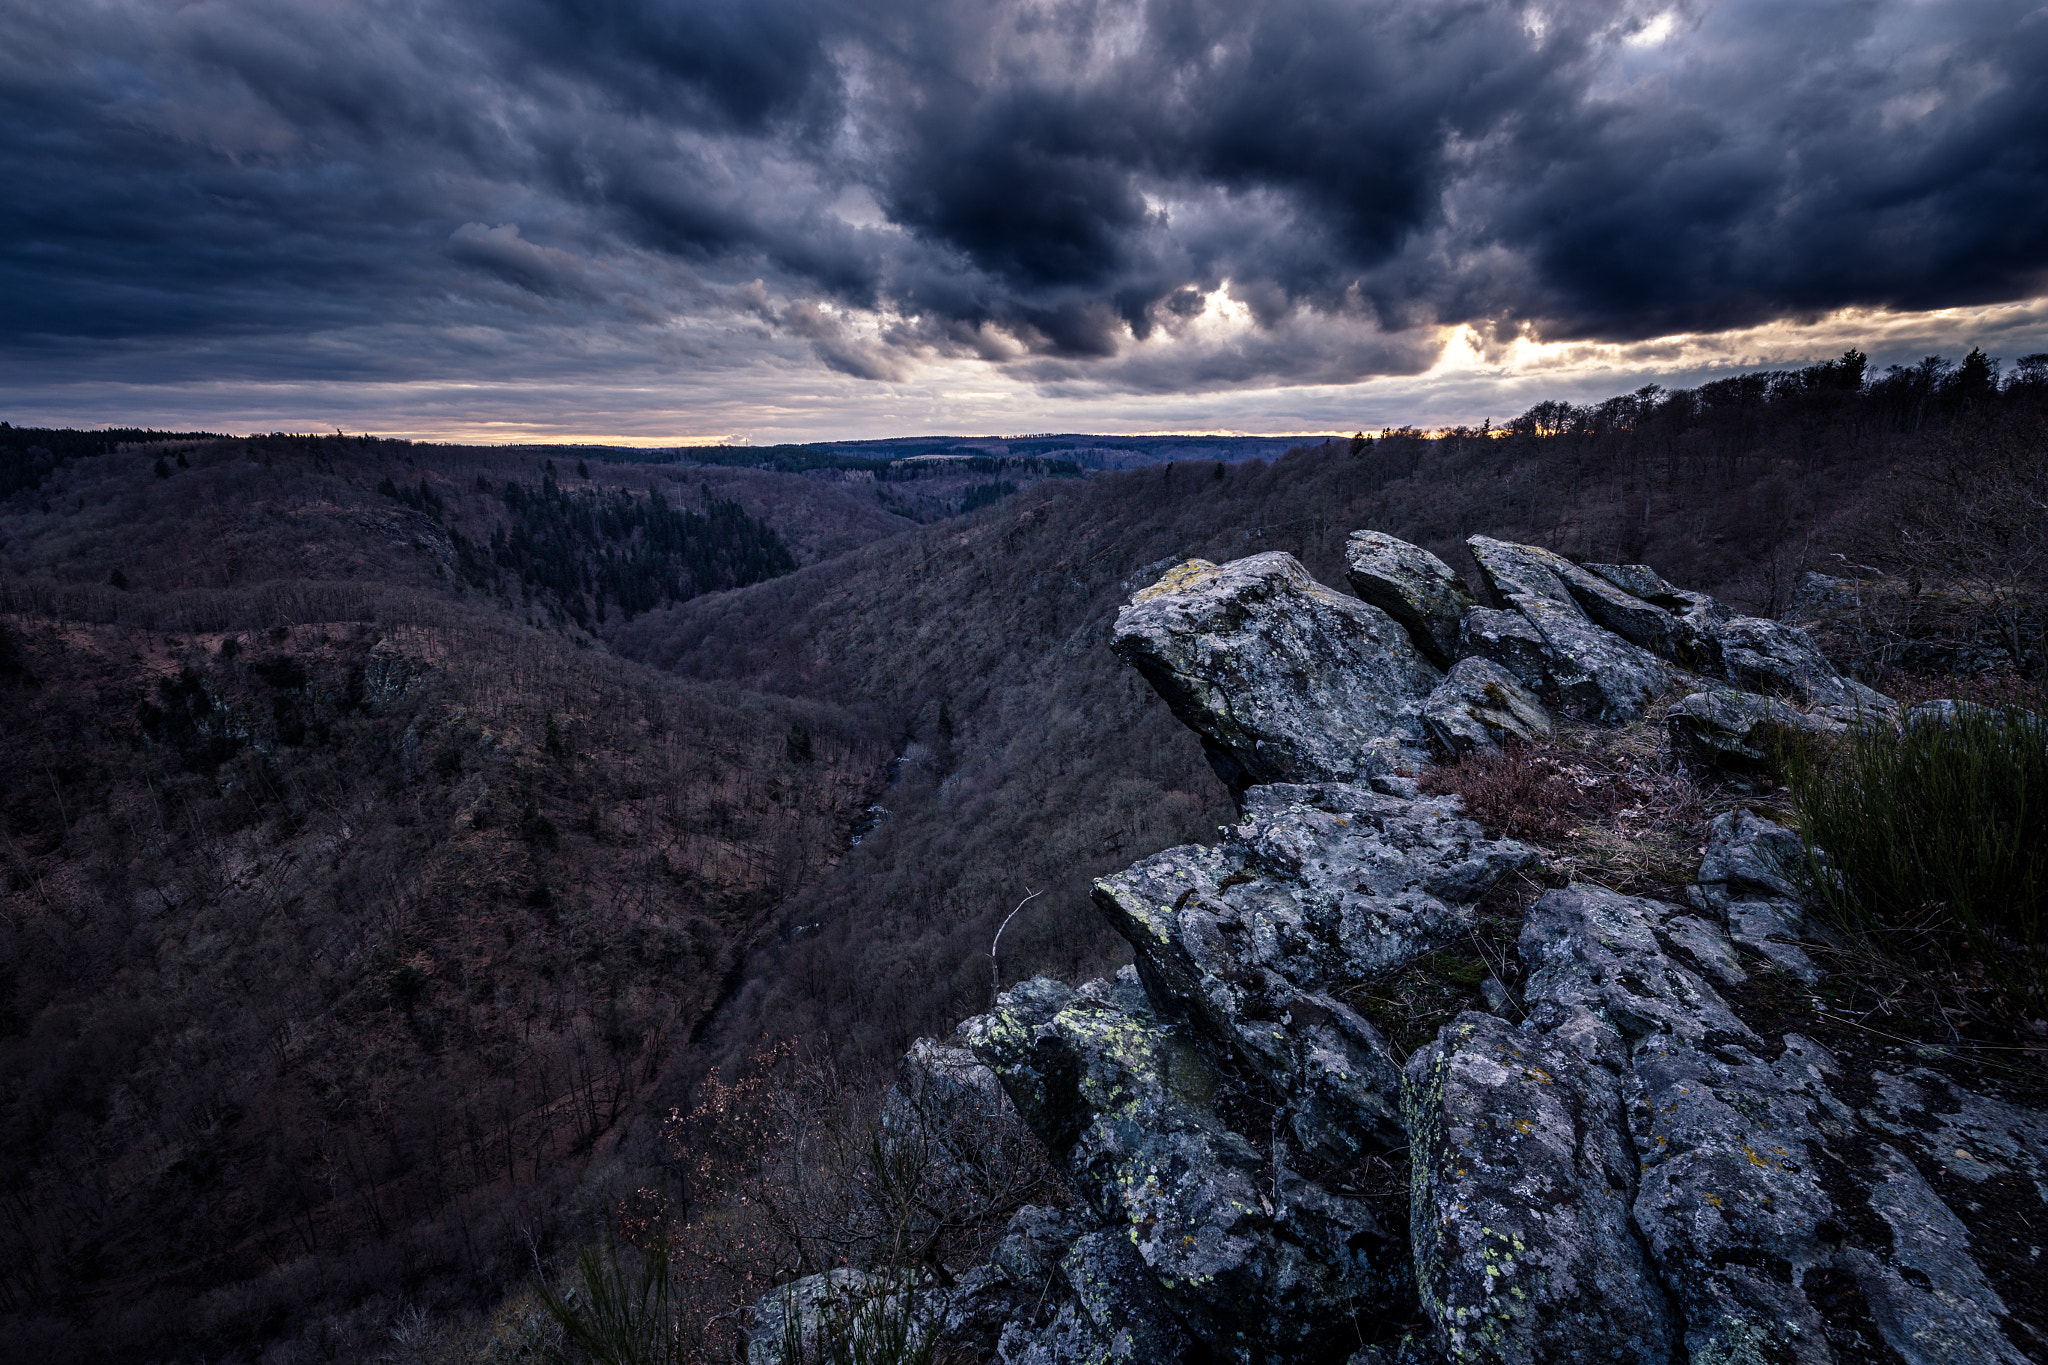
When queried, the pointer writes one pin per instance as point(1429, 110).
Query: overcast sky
point(686, 219)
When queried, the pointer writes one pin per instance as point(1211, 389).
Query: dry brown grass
point(1608, 804)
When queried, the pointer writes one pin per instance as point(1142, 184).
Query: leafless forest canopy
point(395, 834)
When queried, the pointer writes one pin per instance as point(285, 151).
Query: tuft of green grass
point(1936, 822)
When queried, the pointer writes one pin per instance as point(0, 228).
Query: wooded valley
point(396, 835)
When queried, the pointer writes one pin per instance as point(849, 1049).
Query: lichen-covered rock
point(1414, 587)
point(1751, 878)
point(1734, 1198)
point(1059, 1290)
point(1254, 1258)
point(1761, 655)
point(1738, 732)
point(1523, 1180)
point(1514, 571)
point(1640, 580)
point(1321, 885)
point(1109, 1312)
point(1749, 858)
point(1507, 638)
point(1671, 627)
point(1596, 674)
point(1478, 705)
point(1283, 679)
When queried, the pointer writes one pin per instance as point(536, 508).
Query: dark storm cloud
point(392, 189)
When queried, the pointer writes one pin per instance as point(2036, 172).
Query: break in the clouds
point(755, 206)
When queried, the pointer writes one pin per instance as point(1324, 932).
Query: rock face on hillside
point(1284, 680)
point(1611, 1163)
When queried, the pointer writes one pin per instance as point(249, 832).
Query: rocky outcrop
point(1739, 732)
point(1287, 681)
point(1613, 1161)
point(1413, 586)
point(1479, 705)
point(1284, 680)
point(1770, 656)
point(1750, 879)
point(1595, 673)
point(1254, 1257)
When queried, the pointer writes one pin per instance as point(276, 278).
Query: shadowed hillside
point(348, 911)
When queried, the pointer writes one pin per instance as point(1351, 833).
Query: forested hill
point(355, 895)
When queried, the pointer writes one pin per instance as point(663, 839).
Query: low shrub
point(1937, 825)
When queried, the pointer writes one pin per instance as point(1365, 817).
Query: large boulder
point(1283, 679)
point(1665, 622)
point(1762, 655)
point(1110, 1312)
point(1321, 885)
point(1478, 705)
point(1739, 732)
point(1254, 1257)
point(1693, 642)
point(1524, 1178)
point(1507, 638)
point(1414, 587)
point(1516, 571)
point(1595, 673)
point(1751, 878)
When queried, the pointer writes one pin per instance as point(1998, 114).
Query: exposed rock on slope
point(1610, 1165)
point(1284, 680)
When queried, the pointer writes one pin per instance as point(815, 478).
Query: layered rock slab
point(1523, 1180)
point(1255, 1258)
point(1738, 732)
point(1595, 673)
point(1479, 706)
point(1413, 586)
point(1321, 886)
point(1284, 679)
point(1743, 1161)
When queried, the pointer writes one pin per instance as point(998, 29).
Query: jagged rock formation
point(1284, 680)
point(1608, 1164)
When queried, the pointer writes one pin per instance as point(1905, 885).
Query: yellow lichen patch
point(1176, 578)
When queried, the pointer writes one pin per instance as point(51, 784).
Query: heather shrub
point(1936, 825)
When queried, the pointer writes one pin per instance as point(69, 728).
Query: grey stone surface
point(800, 1310)
point(1284, 679)
point(1524, 1176)
point(1414, 587)
point(1108, 1309)
point(1749, 858)
point(1709, 945)
point(1597, 675)
point(1611, 1165)
point(1947, 712)
point(1594, 673)
point(1515, 571)
point(1251, 1256)
point(1738, 732)
point(1320, 885)
point(1760, 655)
point(1478, 705)
point(1674, 632)
point(1750, 878)
point(1507, 638)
